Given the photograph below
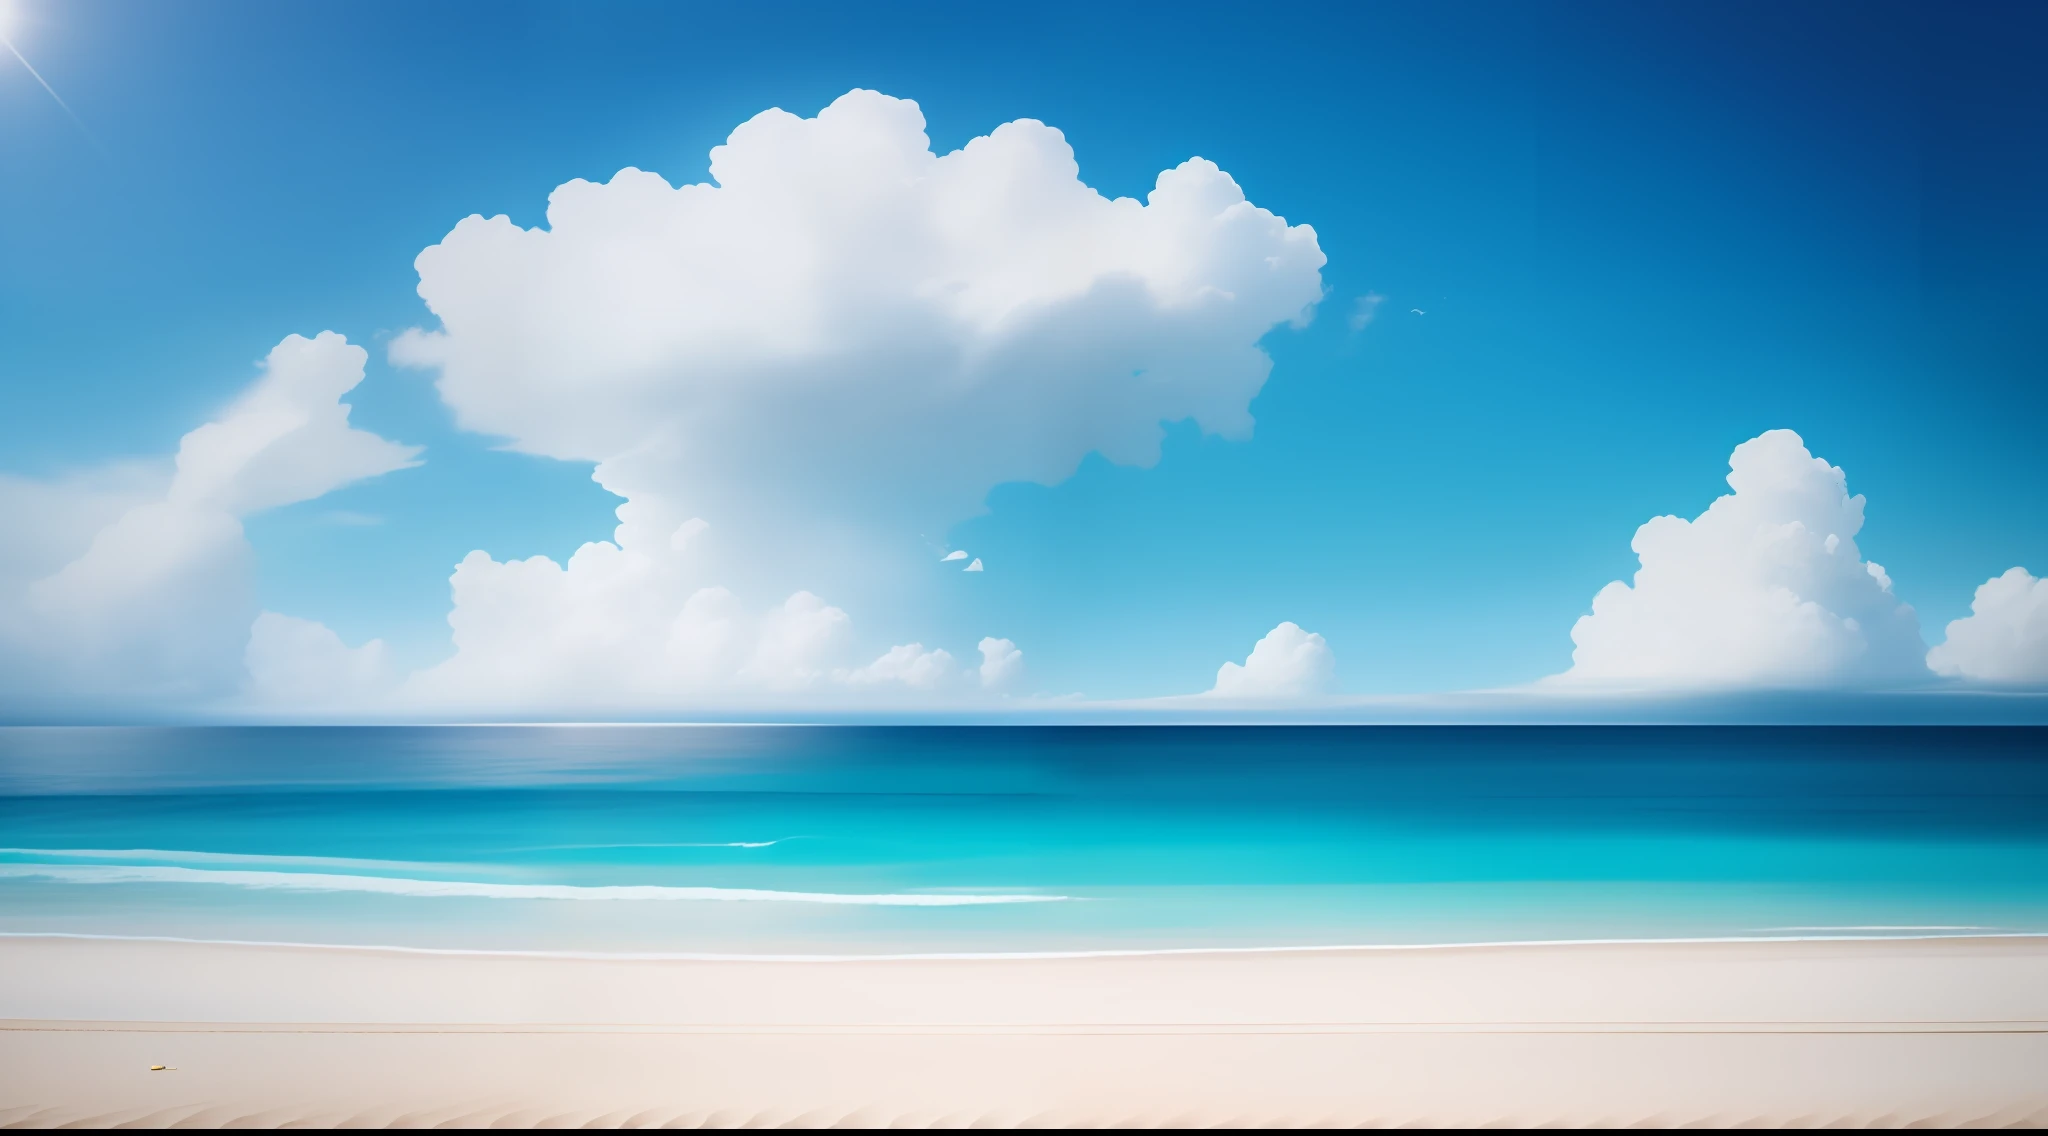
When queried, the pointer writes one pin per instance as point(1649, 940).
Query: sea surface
point(833, 841)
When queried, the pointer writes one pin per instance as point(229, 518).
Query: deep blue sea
point(814, 840)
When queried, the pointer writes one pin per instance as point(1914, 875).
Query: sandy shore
point(1876, 1032)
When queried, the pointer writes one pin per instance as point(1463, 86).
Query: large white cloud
point(1288, 663)
point(137, 585)
point(847, 320)
point(1765, 588)
point(2004, 639)
point(790, 373)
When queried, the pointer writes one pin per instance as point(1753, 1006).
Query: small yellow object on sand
point(158, 1068)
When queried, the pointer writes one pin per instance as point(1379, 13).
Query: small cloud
point(1288, 663)
point(1001, 663)
point(956, 554)
point(1765, 588)
point(974, 567)
point(2004, 639)
point(1362, 312)
point(300, 663)
point(1417, 311)
point(909, 664)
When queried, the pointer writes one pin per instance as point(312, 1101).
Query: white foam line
point(391, 885)
point(177, 855)
point(1012, 956)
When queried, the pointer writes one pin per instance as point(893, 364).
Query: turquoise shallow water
point(865, 840)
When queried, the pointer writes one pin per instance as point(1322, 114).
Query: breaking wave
point(436, 889)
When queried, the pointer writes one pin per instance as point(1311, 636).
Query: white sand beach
point(1896, 1032)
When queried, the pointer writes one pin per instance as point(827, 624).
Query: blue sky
point(1639, 234)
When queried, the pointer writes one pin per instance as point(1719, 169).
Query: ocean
point(879, 840)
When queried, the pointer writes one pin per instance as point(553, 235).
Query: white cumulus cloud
point(1765, 588)
point(50, 522)
point(843, 339)
point(1001, 664)
point(911, 665)
point(287, 438)
point(625, 623)
point(298, 664)
point(1288, 663)
point(138, 585)
point(631, 624)
point(2004, 639)
point(844, 317)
